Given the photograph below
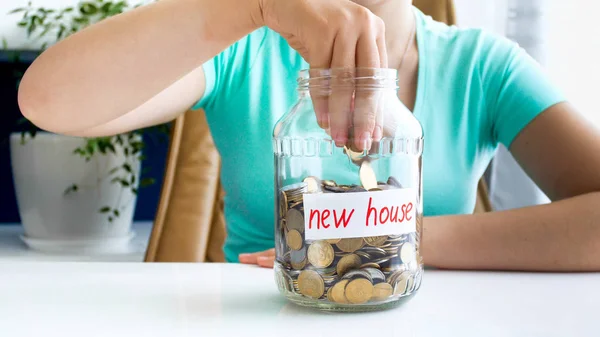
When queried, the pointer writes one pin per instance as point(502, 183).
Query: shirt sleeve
point(225, 72)
point(518, 88)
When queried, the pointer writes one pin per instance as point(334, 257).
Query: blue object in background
point(155, 151)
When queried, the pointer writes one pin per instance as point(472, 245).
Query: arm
point(561, 153)
point(98, 80)
point(143, 67)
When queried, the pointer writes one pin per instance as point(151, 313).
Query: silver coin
point(377, 276)
point(374, 250)
point(407, 252)
point(357, 273)
point(297, 256)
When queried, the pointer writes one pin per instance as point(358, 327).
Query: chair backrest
point(189, 224)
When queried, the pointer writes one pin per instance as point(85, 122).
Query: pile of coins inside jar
point(344, 271)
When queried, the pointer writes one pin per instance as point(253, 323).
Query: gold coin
point(283, 204)
point(367, 176)
point(329, 183)
point(313, 184)
point(348, 262)
point(294, 220)
point(376, 189)
point(332, 241)
point(329, 298)
point(359, 291)
point(293, 239)
point(370, 265)
point(320, 254)
point(376, 241)
point(310, 284)
point(337, 292)
point(350, 245)
point(354, 156)
point(382, 291)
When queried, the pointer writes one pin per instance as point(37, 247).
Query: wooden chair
point(189, 224)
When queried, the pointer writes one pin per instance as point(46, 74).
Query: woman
point(238, 60)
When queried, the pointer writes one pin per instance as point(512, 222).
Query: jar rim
point(357, 77)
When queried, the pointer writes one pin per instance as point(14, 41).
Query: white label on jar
point(361, 214)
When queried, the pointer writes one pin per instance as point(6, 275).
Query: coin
point(293, 239)
point(283, 204)
point(354, 156)
point(394, 182)
point(335, 189)
point(410, 283)
point(364, 255)
point(377, 276)
point(407, 252)
point(298, 258)
point(310, 284)
point(359, 291)
point(370, 265)
point(356, 189)
point(381, 291)
point(357, 273)
point(332, 241)
point(329, 298)
point(329, 183)
point(313, 184)
point(295, 220)
point(320, 254)
point(376, 241)
point(338, 292)
point(401, 283)
point(367, 175)
point(375, 189)
point(348, 262)
point(350, 245)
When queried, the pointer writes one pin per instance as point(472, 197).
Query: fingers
point(258, 258)
point(340, 100)
point(365, 100)
point(266, 261)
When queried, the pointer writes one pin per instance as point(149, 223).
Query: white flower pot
point(55, 221)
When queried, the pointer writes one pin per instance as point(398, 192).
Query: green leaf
point(132, 180)
point(125, 183)
point(22, 24)
point(88, 8)
point(72, 188)
point(17, 10)
point(104, 209)
point(126, 151)
point(67, 10)
point(110, 219)
point(115, 180)
point(147, 182)
point(111, 148)
point(134, 191)
point(113, 170)
point(116, 212)
point(127, 167)
point(61, 32)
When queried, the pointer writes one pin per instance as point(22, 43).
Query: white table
point(200, 300)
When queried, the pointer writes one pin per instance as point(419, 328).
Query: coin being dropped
point(382, 291)
point(337, 292)
point(359, 291)
point(313, 184)
point(348, 262)
point(354, 156)
point(407, 252)
point(350, 245)
point(367, 176)
point(311, 284)
point(320, 254)
point(293, 239)
point(376, 241)
point(295, 220)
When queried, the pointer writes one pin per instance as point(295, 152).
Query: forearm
point(111, 68)
point(561, 236)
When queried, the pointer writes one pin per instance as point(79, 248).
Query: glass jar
point(348, 215)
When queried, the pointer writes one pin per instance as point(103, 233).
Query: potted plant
point(75, 194)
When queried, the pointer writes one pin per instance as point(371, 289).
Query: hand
point(335, 34)
point(264, 259)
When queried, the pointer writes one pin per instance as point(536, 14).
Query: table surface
point(143, 299)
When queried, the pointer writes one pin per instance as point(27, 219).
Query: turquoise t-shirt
point(475, 91)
